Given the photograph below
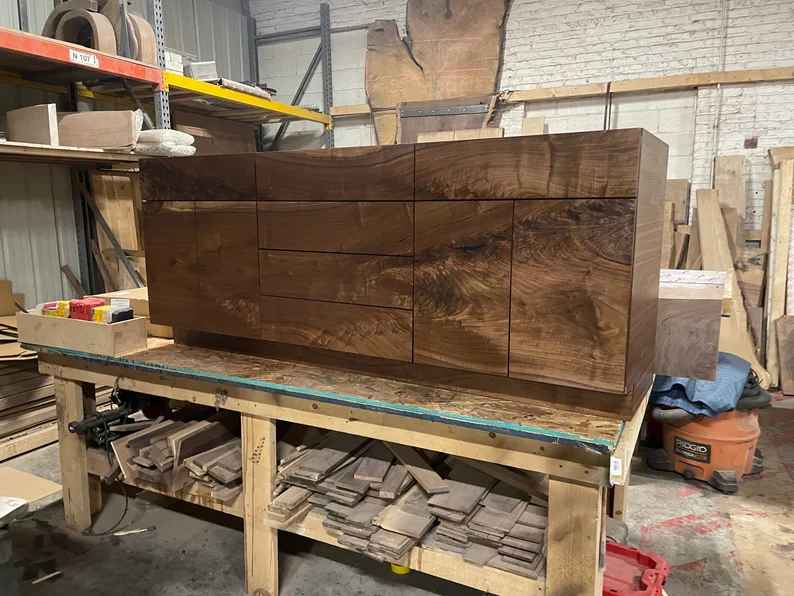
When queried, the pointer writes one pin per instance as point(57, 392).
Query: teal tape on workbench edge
point(500, 426)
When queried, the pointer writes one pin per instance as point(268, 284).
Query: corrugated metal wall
point(207, 30)
point(37, 226)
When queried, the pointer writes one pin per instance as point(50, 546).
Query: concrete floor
point(716, 544)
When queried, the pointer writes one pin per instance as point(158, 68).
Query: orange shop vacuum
point(719, 449)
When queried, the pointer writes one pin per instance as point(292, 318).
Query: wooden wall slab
point(206, 178)
point(580, 165)
point(228, 268)
point(571, 291)
point(351, 174)
point(462, 284)
point(355, 279)
point(379, 228)
point(171, 259)
point(368, 330)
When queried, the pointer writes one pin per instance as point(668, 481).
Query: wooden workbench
point(582, 453)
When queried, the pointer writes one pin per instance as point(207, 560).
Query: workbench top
point(487, 412)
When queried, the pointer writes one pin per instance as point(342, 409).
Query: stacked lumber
point(172, 455)
point(714, 238)
point(383, 499)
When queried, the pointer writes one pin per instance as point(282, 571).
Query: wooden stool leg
point(259, 470)
point(574, 534)
point(74, 464)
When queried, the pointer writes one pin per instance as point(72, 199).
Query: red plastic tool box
point(632, 572)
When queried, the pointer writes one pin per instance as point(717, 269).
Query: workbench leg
point(576, 518)
point(619, 496)
point(259, 471)
point(74, 464)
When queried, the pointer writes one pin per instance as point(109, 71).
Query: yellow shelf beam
point(171, 79)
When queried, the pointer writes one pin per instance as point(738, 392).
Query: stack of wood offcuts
point(383, 499)
point(174, 455)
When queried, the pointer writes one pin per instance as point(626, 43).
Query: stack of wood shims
point(171, 455)
point(382, 499)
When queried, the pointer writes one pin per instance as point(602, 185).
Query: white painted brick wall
point(549, 43)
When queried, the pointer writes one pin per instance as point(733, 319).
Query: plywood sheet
point(462, 284)
point(572, 263)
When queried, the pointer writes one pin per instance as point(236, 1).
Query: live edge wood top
point(490, 413)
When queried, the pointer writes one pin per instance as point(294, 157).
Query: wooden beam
point(777, 264)
point(551, 93)
point(735, 337)
point(574, 535)
point(259, 469)
point(74, 464)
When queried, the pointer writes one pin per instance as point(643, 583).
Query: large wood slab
point(204, 178)
point(356, 279)
point(228, 269)
point(571, 291)
point(351, 174)
point(579, 165)
point(462, 284)
point(369, 330)
point(380, 228)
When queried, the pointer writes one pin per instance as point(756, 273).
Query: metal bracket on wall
point(328, 85)
point(406, 111)
point(162, 107)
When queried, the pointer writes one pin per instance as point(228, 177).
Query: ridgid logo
point(692, 450)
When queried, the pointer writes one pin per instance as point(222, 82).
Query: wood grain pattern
point(205, 178)
point(453, 381)
point(355, 279)
point(462, 284)
point(350, 174)
point(687, 337)
point(372, 386)
point(228, 269)
point(369, 227)
point(171, 261)
point(571, 291)
point(580, 165)
point(647, 241)
point(368, 330)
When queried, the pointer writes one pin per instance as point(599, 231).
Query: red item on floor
point(84, 308)
point(632, 572)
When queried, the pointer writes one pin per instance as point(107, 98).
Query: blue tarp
point(704, 398)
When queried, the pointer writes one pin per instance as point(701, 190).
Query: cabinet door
point(571, 291)
point(171, 265)
point(228, 265)
point(462, 284)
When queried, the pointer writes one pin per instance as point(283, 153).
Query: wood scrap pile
point(173, 456)
point(757, 310)
point(383, 499)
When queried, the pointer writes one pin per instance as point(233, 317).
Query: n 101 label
point(83, 58)
point(691, 450)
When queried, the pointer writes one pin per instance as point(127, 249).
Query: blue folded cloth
point(704, 398)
